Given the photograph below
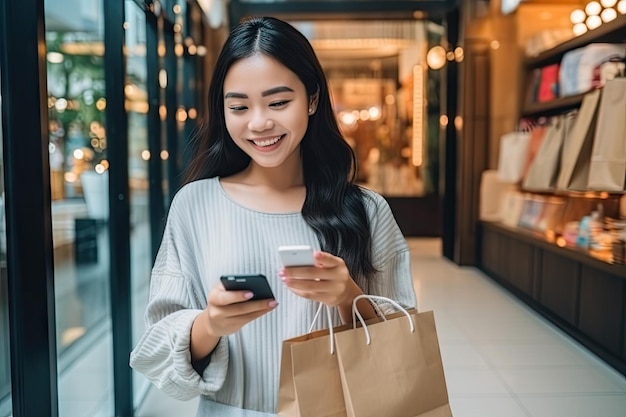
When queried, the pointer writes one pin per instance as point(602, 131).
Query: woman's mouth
point(267, 144)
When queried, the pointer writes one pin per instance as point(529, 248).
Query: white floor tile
point(467, 382)
point(567, 380)
point(487, 406)
point(575, 406)
point(461, 356)
point(524, 354)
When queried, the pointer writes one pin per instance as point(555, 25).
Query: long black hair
point(334, 206)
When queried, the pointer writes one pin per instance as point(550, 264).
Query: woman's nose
point(260, 121)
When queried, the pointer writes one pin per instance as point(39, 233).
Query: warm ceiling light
point(436, 57)
point(577, 16)
point(593, 8)
point(579, 29)
point(608, 14)
point(593, 22)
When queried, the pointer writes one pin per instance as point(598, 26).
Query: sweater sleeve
point(391, 257)
point(163, 353)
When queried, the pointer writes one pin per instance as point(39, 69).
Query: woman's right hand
point(225, 313)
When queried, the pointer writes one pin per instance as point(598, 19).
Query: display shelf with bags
point(583, 63)
point(559, 241)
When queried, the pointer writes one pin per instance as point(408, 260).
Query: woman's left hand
point(328, 282)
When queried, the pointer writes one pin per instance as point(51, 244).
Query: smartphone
point(296, 255)
point(256, 283)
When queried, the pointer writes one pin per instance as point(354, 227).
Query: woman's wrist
point(202, 342)
point(363, 305)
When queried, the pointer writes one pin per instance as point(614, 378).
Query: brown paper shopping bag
point(393, 367)
point(576, 155)
point(544, 168)
point(607, 168)
point(512, 156)
point(310, 385)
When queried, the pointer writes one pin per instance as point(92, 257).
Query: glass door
point(5, 360)
point(80, 209)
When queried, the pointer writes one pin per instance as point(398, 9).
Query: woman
point(270, 169)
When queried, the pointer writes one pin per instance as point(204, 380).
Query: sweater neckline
point(251, 210)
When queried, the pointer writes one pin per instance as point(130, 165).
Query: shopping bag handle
point(330, 325)
point(357, 314)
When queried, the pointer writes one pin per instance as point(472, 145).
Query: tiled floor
point(501, 359)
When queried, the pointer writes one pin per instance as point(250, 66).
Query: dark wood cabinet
point(560, 279)
point(601, 308)
point(583, 295)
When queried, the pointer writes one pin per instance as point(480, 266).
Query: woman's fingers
point(228, 311)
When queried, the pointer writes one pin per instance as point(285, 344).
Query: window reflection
point(5, 371)
point(139, 156)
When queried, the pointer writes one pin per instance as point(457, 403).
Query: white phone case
point(296, 255)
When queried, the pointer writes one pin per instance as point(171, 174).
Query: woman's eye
point(237, 108)
point(279, 103)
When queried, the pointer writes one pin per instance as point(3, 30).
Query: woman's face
point(266, 109)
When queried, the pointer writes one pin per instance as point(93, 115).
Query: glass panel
point(5, 360)
point(138, 156)
point(79, 186)
point(168, 104)
point(383, 96)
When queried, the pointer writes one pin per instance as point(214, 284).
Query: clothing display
point(208, 235)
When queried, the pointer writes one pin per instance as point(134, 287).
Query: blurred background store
point(423, 91)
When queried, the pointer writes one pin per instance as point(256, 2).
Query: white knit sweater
point(208, 235)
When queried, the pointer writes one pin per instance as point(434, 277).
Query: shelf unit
point(582, 293)
point(614, 31)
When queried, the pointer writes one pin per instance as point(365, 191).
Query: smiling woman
point(271, 168)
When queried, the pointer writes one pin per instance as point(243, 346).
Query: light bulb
point(608, 14)
point(436, 57)
point(577, 16)
point(621, 6)
point(593, 8)
point(608, 3)
point(579, 29)
point(593, 22)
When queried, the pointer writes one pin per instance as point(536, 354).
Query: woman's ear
point(313, 101)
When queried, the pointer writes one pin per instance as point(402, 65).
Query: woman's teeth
point(268, 142)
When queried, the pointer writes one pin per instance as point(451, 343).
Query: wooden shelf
point(614, 31)
point(592, 258)
point(552, 107)
point(576, 194)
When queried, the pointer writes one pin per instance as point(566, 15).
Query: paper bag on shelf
point(512, 156)
point(607, 168)
point(577, 145)
point(544, 168)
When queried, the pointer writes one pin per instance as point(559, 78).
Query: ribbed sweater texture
point(207, 235)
